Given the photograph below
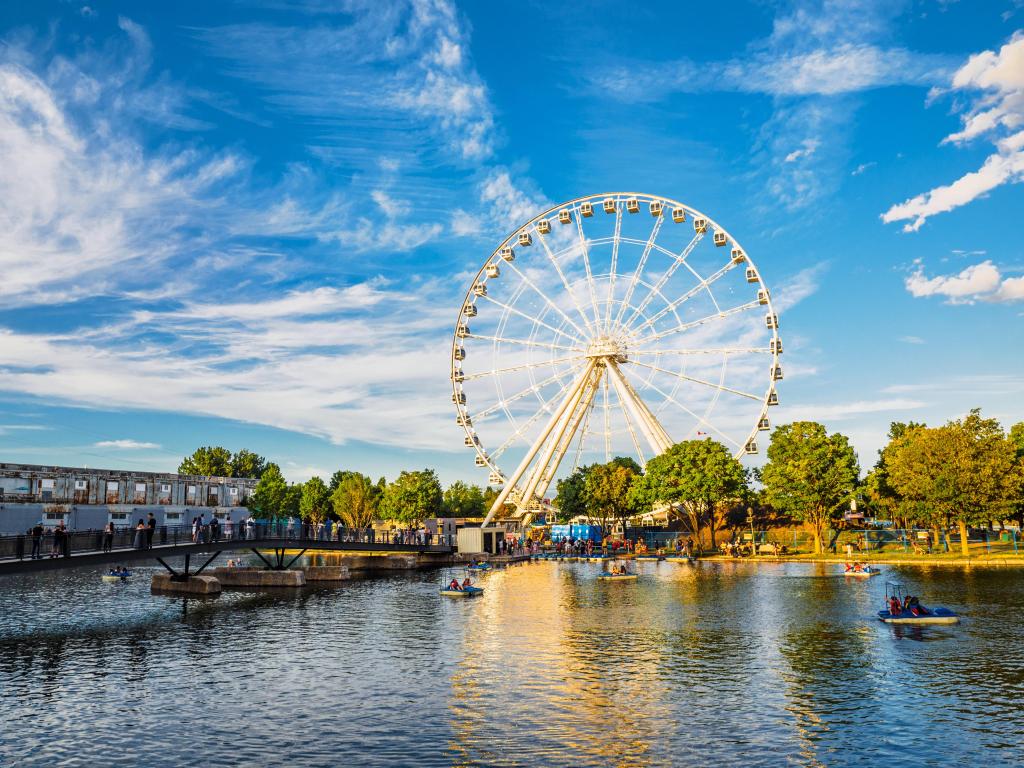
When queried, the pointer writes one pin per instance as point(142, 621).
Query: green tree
point(967, 470)
point(698, 476)
point(269, 495)
point(356, 500)
point(810, 474)
point(292, 503)
point(412, 497)
point(880, 492)
point(464, 500)
point(245, 463)
point(314, 506)
point(212, 460)
point(571, 495)
point(1017, 438)
point(607, 493)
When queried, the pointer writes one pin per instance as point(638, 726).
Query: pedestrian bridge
point(85, 548)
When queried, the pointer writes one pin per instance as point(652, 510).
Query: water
point(725, 664)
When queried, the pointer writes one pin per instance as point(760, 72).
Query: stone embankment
point(194, 585)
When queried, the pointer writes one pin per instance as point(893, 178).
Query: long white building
point(87, 499)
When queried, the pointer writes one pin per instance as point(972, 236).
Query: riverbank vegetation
point(967, 473)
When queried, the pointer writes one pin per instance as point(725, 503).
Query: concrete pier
point(258, 577)
point(194, 585)
point(326, 572)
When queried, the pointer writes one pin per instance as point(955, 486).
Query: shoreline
point(1008, 561)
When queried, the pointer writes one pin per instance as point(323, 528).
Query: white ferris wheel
point(613, 324)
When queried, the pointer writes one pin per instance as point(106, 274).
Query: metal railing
point(52, 543)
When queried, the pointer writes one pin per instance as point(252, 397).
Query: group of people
point(120, 571)
point(454, 585)
point(618, 569)
point(910, 603)
point(59, 545)
point(858, 567)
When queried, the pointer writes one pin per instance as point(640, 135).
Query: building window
point(212, 495)
point(112, 491)
point(81, 485)
point(140, 493)
point(190, 494)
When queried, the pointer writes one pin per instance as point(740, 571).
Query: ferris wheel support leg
point(578, 416)
point(656, 428)
point(555, 444)
point(570, 397)
point(629, 401)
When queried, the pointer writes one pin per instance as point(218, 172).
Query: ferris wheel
point(613, 324)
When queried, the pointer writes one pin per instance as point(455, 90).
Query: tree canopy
point(412, 497)
point(699, 476)
point(967, 470)
point(464, 500)
point(356, 499)
point(268, 499)
point(810, 474)
point(314, 505)
point(607, 494)
point(218, 461)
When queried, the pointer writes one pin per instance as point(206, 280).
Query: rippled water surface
point(715, 663)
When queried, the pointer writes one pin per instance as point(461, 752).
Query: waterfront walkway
point(81, 548)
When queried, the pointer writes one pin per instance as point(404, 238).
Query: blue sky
point(252, 224)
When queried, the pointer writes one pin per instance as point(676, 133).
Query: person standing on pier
point(37, 540)
point(150, 530)
point(140, 535)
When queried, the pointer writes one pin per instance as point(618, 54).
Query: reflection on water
point(727, 664)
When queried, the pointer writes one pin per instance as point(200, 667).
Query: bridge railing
point(54, 544)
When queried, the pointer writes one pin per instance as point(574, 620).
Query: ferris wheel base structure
point(590, 351)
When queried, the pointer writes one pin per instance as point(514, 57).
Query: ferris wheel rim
point(620, 199)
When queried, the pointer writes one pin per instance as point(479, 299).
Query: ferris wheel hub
point(608, 348)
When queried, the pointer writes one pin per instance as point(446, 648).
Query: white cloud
point(982, 282)
point(998, 113)
point(850, 410)
point(510, 204)
point(862, 168)
point(912, 340)
point(126, 445)
point(809, 147)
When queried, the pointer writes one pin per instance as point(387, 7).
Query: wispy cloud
point(127, 445)
point(862, 168)
point(850, 410)
point(997, 114)
point(978, 282)
point(912, 340)
point(817, 57)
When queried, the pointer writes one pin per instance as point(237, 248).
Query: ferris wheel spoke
point(523, 367)
point(565, 281)
point(705, 351)
point(694, 323)
point(583, 433)
point(639, 268)
point(632, 432)
point(523, 393)
point(680, 259)
point(695, 380)
point(544, 296)
point(701, 419)
point(703, 285)
point(607, 422)
point(611, 272)
point(525, 316)
point(523, 342)
point(544, 408)
point(584, 251)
